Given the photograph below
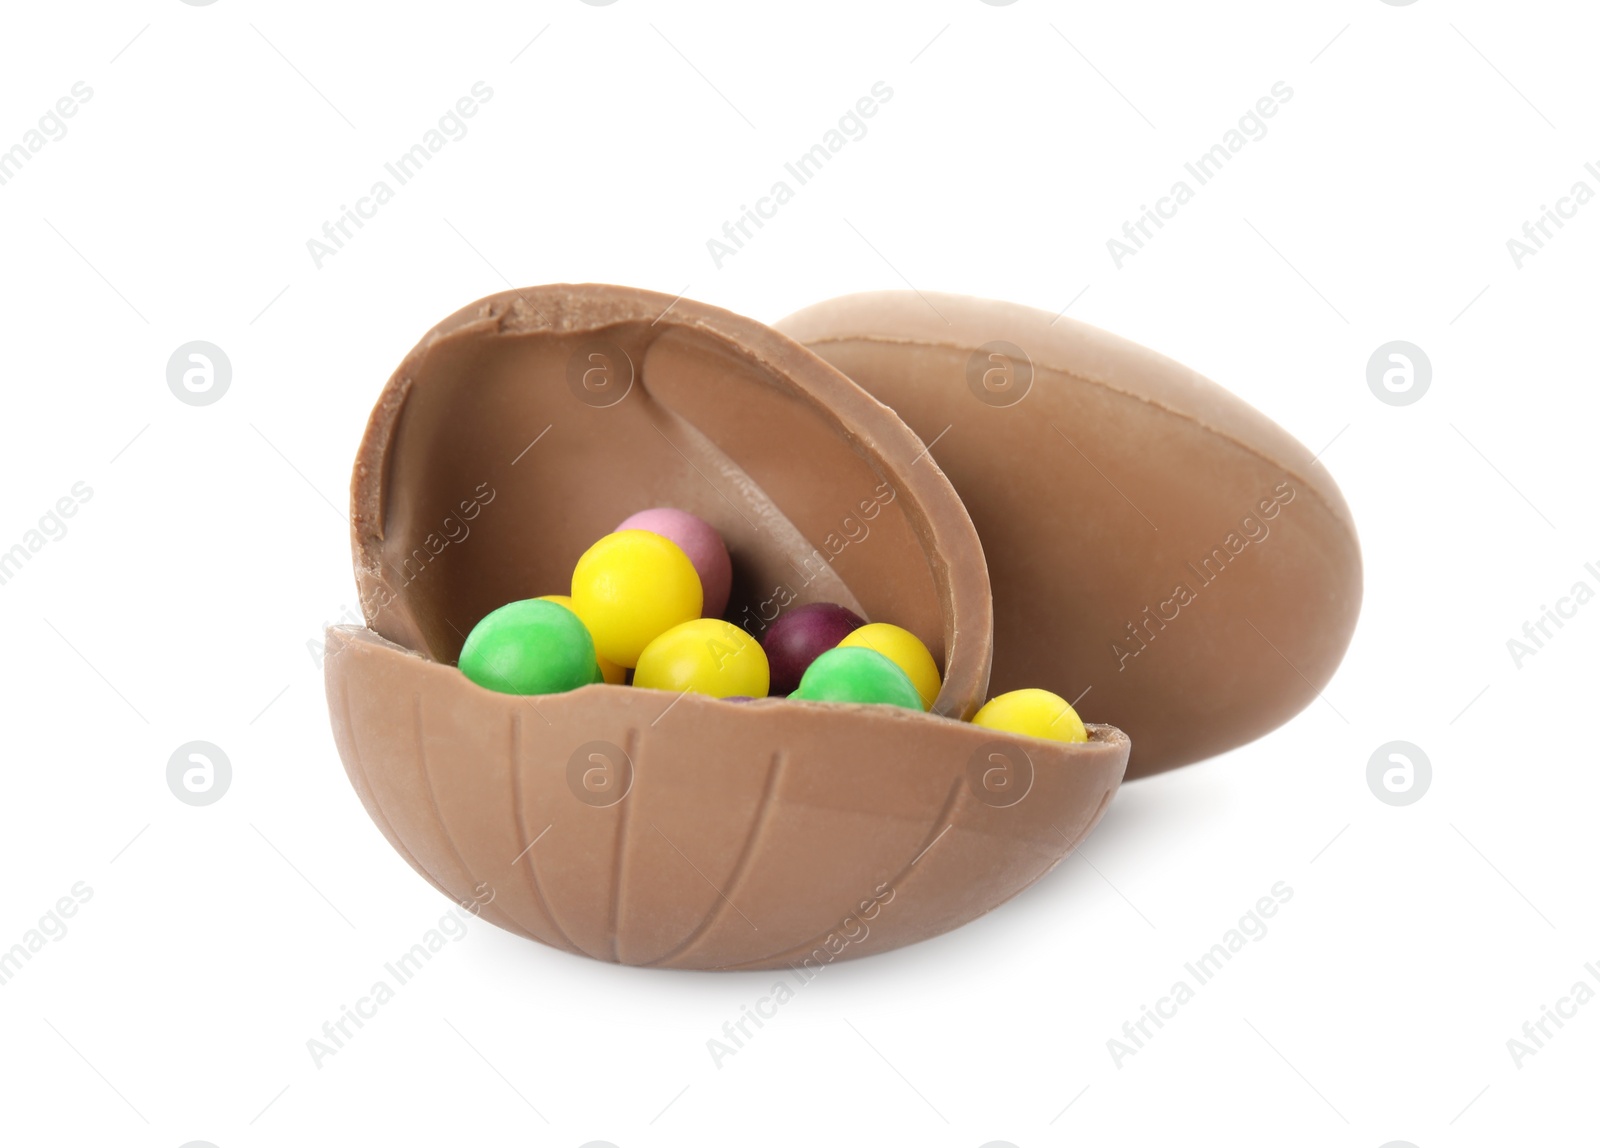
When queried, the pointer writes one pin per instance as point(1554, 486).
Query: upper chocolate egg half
point(636, 825)
point(1155, 544)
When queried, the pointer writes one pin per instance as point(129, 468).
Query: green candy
point(529, 647)
point(857, 675)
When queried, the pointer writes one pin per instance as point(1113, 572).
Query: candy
point(705, 656)
point(1033, 713)
point(610, 672)
point(905, 650)
point(700, 541)
point(857, 675)
point(631, 587)
point(795, 640)
point(529, 647)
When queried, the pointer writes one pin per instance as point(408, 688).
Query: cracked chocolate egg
point(641, 826)
point(1155, 545)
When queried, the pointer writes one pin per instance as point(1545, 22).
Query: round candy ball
point(610, 672)
point(705, 656)
point(797, 638)
point(905, 650)
point(529, 647)
point(631, 587)
point(1033, 713)
point(700, 541)
point(857, 675)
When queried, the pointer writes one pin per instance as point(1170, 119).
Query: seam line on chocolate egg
point(433, 797)
point(385, 826)
point(942, 819)
point(741, 865)
point(522, 834)
point(614, 911)
point(1296, 669)
point(1143, 399)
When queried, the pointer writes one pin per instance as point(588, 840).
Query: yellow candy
point(613, 673)
point(631, 587)
point(905, 650)
point(705, 656)
point(1033, 713)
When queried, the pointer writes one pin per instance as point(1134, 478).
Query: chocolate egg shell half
point(1154, 543)
point(644, 827)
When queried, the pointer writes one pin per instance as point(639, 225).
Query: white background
point(180, 603)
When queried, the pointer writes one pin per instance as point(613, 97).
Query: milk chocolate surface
point(640, 826)
point(1151, 538)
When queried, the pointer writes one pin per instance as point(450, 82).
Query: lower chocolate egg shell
point(635, 825)
point(622, 825)
point(1156, 546)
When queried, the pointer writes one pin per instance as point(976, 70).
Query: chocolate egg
point(632, 825)
point(1156, 546)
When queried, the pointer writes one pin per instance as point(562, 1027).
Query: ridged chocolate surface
point(749, 836)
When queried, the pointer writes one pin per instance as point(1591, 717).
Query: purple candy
point(797, 638)
point(700, 541)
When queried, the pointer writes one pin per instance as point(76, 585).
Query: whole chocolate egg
point(1157, 547)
